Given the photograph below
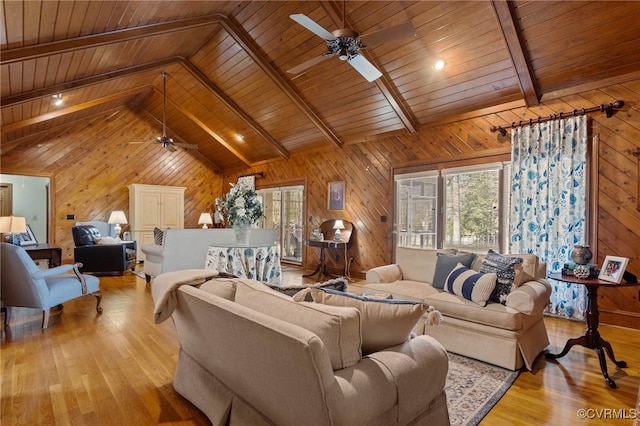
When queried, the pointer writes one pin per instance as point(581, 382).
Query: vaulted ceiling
point(228, 60)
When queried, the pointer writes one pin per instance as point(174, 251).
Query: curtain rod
point(603, 108)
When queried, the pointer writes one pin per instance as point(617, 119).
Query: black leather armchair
point(101, 259)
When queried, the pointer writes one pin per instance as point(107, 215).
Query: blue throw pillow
point(504, 267)
point(445, 263)
point(470, 284)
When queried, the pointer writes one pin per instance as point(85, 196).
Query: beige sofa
point(248, 356)
point(509, 335)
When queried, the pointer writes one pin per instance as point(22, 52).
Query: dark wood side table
point(591, 338)
point(45, 251)
point(321, 269)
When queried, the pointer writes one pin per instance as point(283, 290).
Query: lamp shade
point(13, 224)
point(205, 219)
point(339, 224)
point(117, 218)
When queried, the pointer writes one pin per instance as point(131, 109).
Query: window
point(283, 210)
point(453, 208)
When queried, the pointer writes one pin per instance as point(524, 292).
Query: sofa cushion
point(404, 290)
point(471, 285)
point(221, 287)
point(337, 327)
point(418, 265)
point(385, 322)
point(493, 314)
point(106, 241)
point(446, 263)
point(505, 268)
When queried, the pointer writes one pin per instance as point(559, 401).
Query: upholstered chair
point(24, 285)
point(100, 255)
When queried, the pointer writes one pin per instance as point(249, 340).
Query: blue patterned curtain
point(548, 198)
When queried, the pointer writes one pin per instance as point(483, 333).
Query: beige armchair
point(24, 285)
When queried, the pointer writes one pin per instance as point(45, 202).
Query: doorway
point(30, 199)
point(284, 211)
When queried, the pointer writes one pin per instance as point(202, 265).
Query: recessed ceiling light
point(239, 137)
point(439, 65)
point(57, 99)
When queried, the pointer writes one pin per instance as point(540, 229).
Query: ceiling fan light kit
point(346, 44)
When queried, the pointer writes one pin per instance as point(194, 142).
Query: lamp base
point(338, 235)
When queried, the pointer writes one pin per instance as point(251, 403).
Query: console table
point(321, 269)
point(45, 251)
point(259, 263)
point(591, 338)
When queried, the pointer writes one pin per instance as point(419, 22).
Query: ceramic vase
point(581, 255)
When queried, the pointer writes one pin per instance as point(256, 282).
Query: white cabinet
point(153, 206)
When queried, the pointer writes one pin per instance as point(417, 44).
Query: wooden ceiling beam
point(384, 84)
point(73, 108)
point(87, 81)
point(250, 48)
point(215, 90)
point(206, 128)
point(520, 63)
point(86, 42)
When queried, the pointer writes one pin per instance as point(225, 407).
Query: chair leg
point(7, 315)
point(147, 278)
point(45, 318)
point(98, 296)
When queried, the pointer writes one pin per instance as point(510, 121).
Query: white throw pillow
point(104, 241)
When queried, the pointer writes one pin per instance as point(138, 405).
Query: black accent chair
point(101, 259)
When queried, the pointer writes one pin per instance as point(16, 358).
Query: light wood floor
point(117, 368)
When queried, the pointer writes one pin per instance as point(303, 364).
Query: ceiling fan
point(346, 44)
point(165, 140)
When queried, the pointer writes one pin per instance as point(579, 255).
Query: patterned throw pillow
point(470, 284)
point(446, 263)
point(158, 235)
point(339, 284)
point(505, 268)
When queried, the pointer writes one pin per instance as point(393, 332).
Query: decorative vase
point(581, 255)
point(242, 235)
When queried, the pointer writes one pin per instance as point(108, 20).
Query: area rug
point(473, 388)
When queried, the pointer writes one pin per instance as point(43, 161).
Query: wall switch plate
point(71, 217)
point(383, 218)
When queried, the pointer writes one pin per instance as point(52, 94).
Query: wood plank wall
point(92, 161)
point(91, 164)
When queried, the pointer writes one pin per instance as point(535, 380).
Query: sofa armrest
point(152, 249)
point(384, 274)
point(419, 370)
point(531, 297)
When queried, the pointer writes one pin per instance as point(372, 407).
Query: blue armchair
point(22, 284)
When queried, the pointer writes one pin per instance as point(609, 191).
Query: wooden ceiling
point(227, 63)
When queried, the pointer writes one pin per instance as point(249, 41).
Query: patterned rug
point(473, 388)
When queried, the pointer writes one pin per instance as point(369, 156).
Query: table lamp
point(338, 225)
point(205, 219)
point(117, 217)
point(12, 225)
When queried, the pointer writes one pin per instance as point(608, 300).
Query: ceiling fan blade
point(170, 147)
point(186, 145)
point(364, 67)
point(312, 26)
point(308, 64)
point(397, 32)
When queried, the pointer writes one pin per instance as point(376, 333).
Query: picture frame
point(27, 238)
point(336, 195)
point(613, 269)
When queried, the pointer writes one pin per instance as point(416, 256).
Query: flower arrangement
point(240, 206)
